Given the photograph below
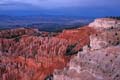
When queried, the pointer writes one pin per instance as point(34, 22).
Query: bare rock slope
point(100, 60)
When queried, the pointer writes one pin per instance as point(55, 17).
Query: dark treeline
point(113, 17)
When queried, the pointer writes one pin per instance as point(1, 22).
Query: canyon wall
point(100, 60)
point(29, 54)
point(87, 53)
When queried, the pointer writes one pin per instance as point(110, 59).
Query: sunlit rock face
point(105, 38)
point(105, 23)
point(108, 33)
point(77, 37)
point(100, 64)
point(100, 60)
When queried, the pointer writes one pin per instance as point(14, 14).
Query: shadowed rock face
point(27, 54)
point(49, 77)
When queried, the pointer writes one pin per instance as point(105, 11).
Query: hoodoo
point(87, 53)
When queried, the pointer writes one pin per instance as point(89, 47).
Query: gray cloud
point(51, 4)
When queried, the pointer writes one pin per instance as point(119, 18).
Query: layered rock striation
point(105, 23)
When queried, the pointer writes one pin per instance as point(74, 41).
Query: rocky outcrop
point(101, 64)
point(29, 54)
point(105, 38)
point(105, 23)
point(99, 60)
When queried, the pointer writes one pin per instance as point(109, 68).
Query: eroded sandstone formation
point(105, 23)
point(12, 33)
point(100, 60)
point(31, 57)
point(101, 64)
point(105, 38)
point(29, 54)
point(77, 37)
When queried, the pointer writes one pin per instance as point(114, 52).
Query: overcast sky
point(104, 6)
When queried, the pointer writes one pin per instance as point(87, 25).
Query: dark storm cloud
point(62, 3)
point(65, 6)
